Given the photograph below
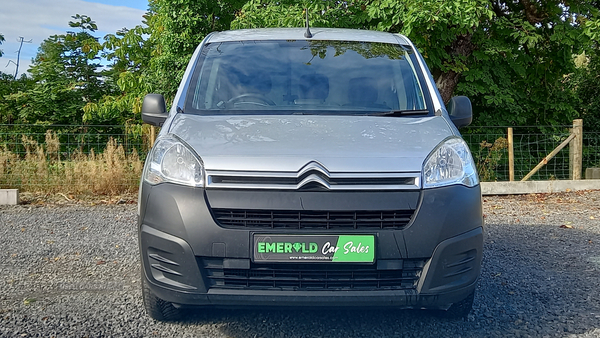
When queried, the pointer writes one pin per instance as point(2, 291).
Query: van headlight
point(450, 163)
point(173, 161)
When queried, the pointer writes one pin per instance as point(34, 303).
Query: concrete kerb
point(9, 196)
point(537, 187)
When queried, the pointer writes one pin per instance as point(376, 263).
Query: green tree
point(9, 109)
point(442, 29)
point(177, 29)
point(519, 71)
point(152, 57)
point(67, 75)
point(509, 57)
point(287, 13)
point(130, 75)
point(584, 82)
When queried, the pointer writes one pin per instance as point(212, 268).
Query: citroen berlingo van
point(309, 169)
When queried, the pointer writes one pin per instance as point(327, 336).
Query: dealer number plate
point(314, 248)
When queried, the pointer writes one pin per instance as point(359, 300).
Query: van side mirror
point(460, 111)
point(154, 110)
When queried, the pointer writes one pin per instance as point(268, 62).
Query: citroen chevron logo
point(315, 173)
point(313, 166)
point(312, 178)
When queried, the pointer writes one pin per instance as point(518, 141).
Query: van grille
point(294, 219)
point(313, 277)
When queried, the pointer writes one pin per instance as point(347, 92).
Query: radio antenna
point(307, 34)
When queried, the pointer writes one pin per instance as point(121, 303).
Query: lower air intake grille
point(293, 219)
point(312, 277)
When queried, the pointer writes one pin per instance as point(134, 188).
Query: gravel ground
point(73, 271)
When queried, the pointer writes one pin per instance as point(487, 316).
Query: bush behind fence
point(109, 159)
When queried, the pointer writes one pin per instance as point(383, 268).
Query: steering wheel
point(251, 98)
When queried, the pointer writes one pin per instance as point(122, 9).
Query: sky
point(36, 20)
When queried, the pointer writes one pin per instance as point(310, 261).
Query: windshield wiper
point(402, 112)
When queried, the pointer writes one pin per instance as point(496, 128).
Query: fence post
point(152, 136)
point(576, 150)
point(511, 156)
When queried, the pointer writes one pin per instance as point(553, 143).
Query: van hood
point(287, 143)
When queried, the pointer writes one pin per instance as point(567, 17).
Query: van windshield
point(306, 77)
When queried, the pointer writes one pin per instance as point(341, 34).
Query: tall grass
point(42, 170)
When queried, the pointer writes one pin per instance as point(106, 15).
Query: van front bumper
point(190, 260)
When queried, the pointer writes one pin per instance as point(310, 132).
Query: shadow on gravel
point(330, 322)
point(537, 280)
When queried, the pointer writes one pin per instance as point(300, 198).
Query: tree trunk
point(446, 83)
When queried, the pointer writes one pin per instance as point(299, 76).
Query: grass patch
point(42, 170)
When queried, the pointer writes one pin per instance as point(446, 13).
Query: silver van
point(316, 169)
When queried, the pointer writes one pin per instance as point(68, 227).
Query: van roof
point(335, 34)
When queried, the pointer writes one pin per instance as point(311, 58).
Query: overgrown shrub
point(489, 158)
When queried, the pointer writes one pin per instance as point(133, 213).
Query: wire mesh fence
point(72, 159)
point(75, 139)
point(591, 150)
point(109, 159)
point(531, 145)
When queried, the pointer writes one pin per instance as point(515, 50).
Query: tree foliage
point(512, 58)
point(177, 28)
point(9, 108)
point(288, 13)
point(585, 84)
point(519, 71)
point(66, 75)
point(130, 54)
point(441, 29)
point(152, 57)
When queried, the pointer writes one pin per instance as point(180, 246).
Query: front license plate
point(314, 248)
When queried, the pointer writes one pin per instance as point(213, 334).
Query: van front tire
point(461, 309)
point(157, 308)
